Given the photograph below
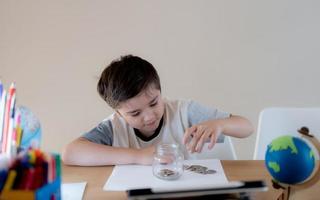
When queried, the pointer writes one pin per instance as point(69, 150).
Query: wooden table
point(235, 170)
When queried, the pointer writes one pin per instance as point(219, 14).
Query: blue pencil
point(3, 178)
point(2, 111)
point(1, 89)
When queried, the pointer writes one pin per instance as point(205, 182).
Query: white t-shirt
point(178, 116)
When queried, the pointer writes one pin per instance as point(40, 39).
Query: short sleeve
point(198, 113)
point(101, 134)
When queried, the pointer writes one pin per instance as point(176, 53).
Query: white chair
point(274, 122)
point(225, 150)
point(222, 151)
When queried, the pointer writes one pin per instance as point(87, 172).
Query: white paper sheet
point(125, 177)
point(73, 191)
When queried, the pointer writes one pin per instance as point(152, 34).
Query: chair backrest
point(222, 151)
point(274, 122)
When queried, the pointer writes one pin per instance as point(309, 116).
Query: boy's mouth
point(152, 123)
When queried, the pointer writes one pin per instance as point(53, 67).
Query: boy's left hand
point(195, 136)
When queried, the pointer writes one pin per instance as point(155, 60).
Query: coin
point(199, 169)
point(166, 172)
point(211, 171)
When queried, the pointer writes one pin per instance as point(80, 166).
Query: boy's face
point(143, 111)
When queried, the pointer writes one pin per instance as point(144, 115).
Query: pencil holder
point(50, 191)
point(32, 176)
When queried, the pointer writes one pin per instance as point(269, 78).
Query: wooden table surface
point(235, 170)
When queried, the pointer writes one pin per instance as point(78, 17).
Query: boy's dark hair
point(125, 78)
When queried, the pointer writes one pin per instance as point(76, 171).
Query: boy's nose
point(149, 116)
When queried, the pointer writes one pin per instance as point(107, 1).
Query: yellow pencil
point(10, 180)
point(19, 135)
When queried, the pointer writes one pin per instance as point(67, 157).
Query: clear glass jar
point(167, 162)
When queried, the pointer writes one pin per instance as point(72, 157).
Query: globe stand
point(290, 190)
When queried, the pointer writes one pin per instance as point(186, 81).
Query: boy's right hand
point(195, 136)
point(145, 155)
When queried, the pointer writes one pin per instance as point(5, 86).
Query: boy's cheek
point(162, 108)
point(135, 124)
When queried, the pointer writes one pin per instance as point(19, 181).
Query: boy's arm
point(235, 126)
point(85, 153)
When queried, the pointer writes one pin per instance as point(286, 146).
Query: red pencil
point(7, 117)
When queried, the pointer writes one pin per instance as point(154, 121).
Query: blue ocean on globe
point(290, 160)
point(30, 124)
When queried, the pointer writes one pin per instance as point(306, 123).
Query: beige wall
point(239, 56)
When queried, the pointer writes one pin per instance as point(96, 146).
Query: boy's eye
point(135, 114)
point(154, 104)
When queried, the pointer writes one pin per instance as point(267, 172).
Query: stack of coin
point(168, 174)
point(199, 169)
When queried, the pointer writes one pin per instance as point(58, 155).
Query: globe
point(290, 160)
point(31, 129)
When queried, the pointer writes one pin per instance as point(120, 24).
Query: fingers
point(188, 134)
point(144, 156)
point(196, 136)
point(213, 140)
point(202, 140)
point(152, 149)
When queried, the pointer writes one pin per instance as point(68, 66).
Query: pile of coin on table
point(167, 173)
point(199, 169)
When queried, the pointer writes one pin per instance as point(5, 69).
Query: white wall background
point(239, 56)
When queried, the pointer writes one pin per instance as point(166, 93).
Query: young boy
point(142, 119)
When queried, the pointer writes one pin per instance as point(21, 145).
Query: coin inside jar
point(167, 162)
point(168, 174)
